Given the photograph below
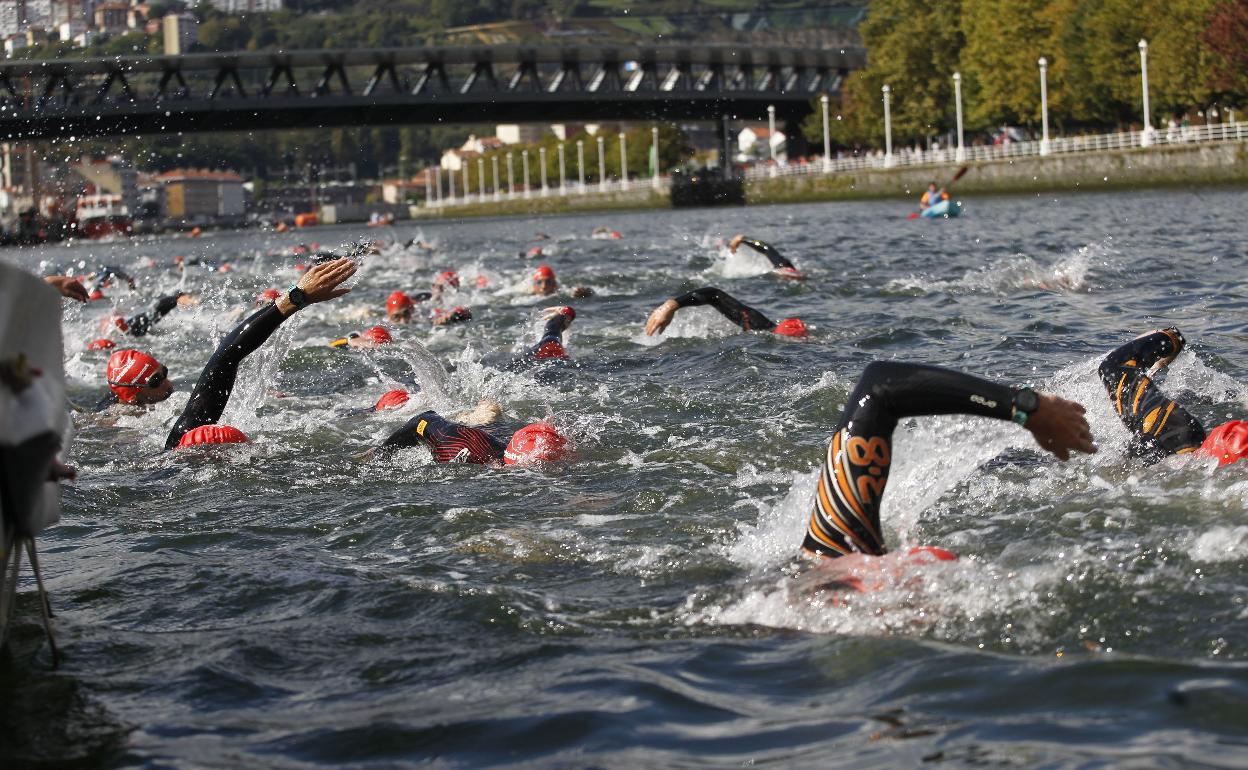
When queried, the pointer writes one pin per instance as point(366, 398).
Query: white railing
point(1122, 140)
point(571, 189)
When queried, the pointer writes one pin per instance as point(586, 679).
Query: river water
point(290, 604)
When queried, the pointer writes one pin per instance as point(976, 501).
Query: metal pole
point(1145, 137)
point(580, 163)
point(827, 138)
point(524, 159)
point(1044, 106)
point(481, 179)
point(623, 164)
point(654, 156)
point(771, 136)
point(541, 154)
point(563, 173)
point(437, 189)
point(497, 193)
point(450, 183)
point(960, 155)
point(467, 189)
point(888, 130)
point(511, 176)
point(602, 166)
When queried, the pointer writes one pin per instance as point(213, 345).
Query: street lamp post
point(623, 164)
point(654, 156)
point(481, 179)
point(827, 139)
point(437, 188)
point(1146, 138)
point(1044, 106)
point(771, 136)
point(602, 166)
point(888, 130)
point(524, 162)
point(467, 189)
point(511, 175)
point(960, 153)
point(541, 154)
point(498, 194)
point(580, 164)
point(428, 190)
point(563, 172)
point(450, 184)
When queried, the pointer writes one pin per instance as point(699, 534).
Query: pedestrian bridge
point(472, 84)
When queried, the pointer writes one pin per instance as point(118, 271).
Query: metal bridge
point(475, 84)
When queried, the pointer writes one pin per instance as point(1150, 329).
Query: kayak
point(942, 210)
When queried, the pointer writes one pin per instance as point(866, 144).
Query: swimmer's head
point(267, 296)
point(538, 442)
point(391, 399)
point(137, 378)
point(791, 327)
point(379, 335)
point(212, 434)
point(101, 344)
point(399, 307)
point(544, 280)
point(95, 295)
point(447, 278)
point(1228, 442)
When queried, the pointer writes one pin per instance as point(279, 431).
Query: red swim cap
point(482, 281)
point(543, 271)
point(550, 349)
point(536, 251)
point(391, 399)
point(397, 301)
point(939, 554)
point(97, 294)
point(379, 335)
point(615, 235)
point(1228, 442)
point(568, 313)
point(212, 434)
point(269, 295)
point(101, 344)
point(791, 327)
point(127, 371)
point(538, 442)
point(447, 277)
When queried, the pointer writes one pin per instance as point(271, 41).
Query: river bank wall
point(1195, 165)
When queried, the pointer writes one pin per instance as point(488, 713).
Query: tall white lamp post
point(563, 172)
point(580, 164)
point(541, 154)
point(623, 164)
point(1146, 138)
point(511, 175)
point(888, 130)
point(524, 163)
point(1044, 106)
point(498, 194)
point(960, 153)
point(827, 138)
point(654, 156)
point(602, 166)
point(771, 136)
point(481, 179)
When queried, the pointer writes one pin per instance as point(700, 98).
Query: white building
point(520, 133)
point(752, 143)
point(13, 44)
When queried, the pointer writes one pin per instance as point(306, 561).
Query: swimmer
point(784, 268)
point(103, 277)
point(373, 337)
point(550, 346)
point(845, 518)
point(141, 323)
point(136, 379)
point(1160, 426)
point(452, 441)
point(730, 307)
point(212, 392)
point(544, 284)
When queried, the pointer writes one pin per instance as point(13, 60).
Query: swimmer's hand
point(735, 242)
point(568, 314)
point(71, 288)
point(1059, 426)
point(486, 412)
point(1176, 344)
point(661, 317)
point(321, 283)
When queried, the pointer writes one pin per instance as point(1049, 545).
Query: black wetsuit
point(1159, 426)
point(846, 514)
point(729, 306)
point(448, 441)
point(552, 335)
point(767, 250)
point(216, 382)
point(141, 324)
point(106, 273)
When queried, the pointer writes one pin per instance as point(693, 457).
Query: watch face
point(1026, 400)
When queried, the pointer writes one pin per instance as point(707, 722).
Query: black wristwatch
point(1025, 402)
point(298, 297)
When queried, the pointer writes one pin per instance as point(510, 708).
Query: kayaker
point(932, 196)
point(845, 517)
point(729, 306)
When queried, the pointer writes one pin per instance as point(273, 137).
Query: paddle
point(960, 173)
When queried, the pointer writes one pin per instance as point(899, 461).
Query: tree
point(1000, 74)
point(1226, 38)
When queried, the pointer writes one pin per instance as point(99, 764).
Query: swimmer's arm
point(728, 306)
point(1159, 425)
point(212, 391)
point(1155, 349)
point(772, 254)
point(142, 323)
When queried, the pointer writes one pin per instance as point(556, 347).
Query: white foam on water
point(1065, 274)
point(1218, 544)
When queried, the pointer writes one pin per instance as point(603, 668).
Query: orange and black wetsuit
point(1159, 426)
point(846, 514)
point(216, 382)
point(729, 306)
point(448, 441)
point(770, 252)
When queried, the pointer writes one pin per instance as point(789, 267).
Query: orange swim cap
point(212, 434)
point(1228, 442)
point(391, 399)
point(379, 335)
point(791, 327)
point(538, 442)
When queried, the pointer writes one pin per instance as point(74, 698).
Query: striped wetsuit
point(1159, 426)
point(846, 514)
point(448, 441)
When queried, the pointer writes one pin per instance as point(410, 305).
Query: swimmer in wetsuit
point(845, 518)
point(142, 323)
point(730, 307)
point(1160, 426)
point(451, 441)
point(216, 383)
point(558, 319)
point(784, 268)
